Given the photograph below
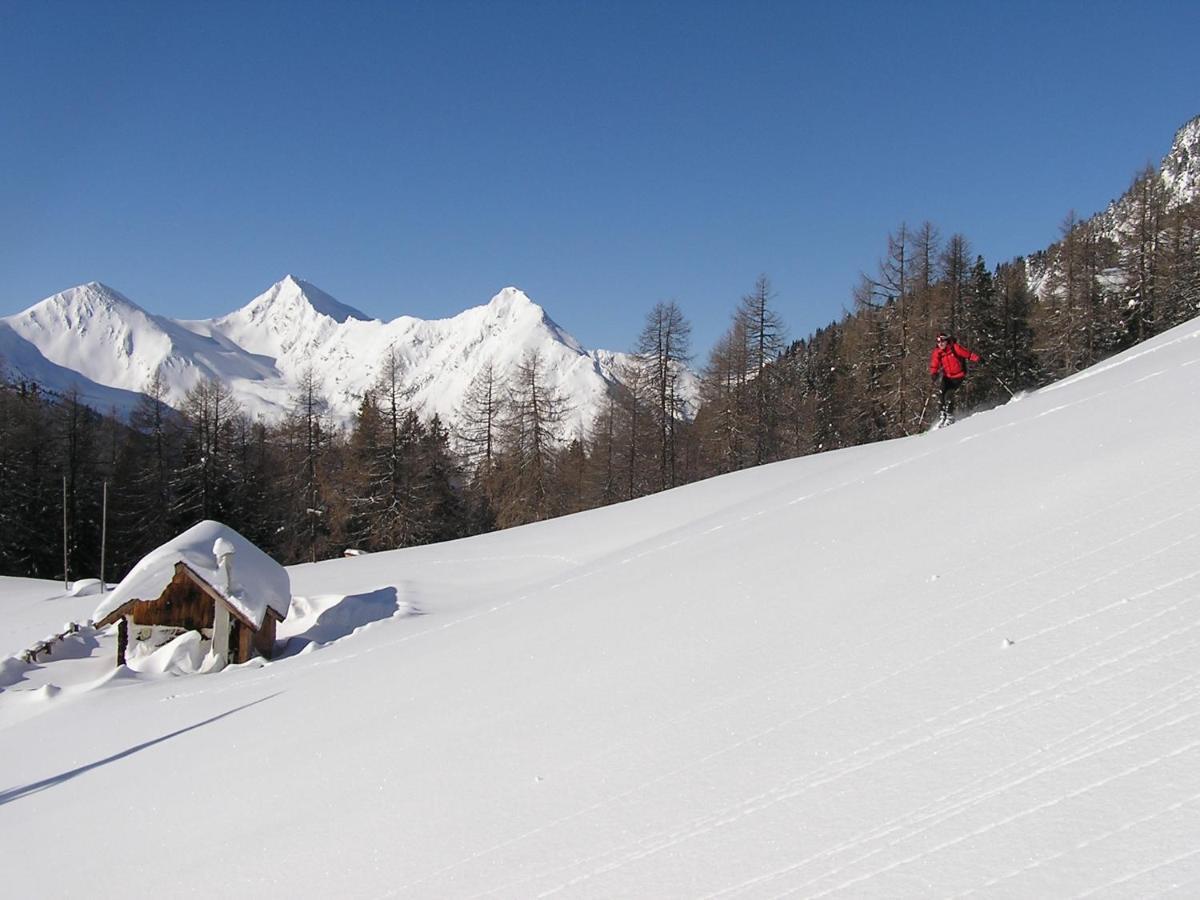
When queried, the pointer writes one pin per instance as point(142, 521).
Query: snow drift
point(966, 662)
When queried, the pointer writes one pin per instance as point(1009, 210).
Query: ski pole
point(1000, 381)
point(1002, 384)
point(921, 418)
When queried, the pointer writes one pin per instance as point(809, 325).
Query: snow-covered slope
point(20, 359)
point(261, 350)
point(966, 662)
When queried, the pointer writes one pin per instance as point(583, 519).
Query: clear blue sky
point(414, 158)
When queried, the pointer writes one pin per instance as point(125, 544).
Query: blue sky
point(414, 158)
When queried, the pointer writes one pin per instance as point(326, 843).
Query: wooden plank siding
point(183, 604)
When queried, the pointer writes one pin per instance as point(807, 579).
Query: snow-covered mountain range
point(96, 340)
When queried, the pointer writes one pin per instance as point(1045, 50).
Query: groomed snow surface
point(966, 662)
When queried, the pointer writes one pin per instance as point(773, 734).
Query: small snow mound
point(85, 587)
point(12, 670)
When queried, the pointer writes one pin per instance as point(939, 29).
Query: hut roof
point(259, 583)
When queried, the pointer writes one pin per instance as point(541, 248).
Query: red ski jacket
point(949, 359)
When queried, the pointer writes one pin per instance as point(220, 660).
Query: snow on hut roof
point(259, 583)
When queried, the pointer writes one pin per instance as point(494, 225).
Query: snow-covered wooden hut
point(209, 579)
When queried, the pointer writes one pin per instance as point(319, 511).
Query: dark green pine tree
point(1013, 360)
point(983, 332)
point(202, 486)
point(445, 512)
point(77, 430)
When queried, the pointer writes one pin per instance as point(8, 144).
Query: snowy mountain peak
point(290, 318)
point(510, 296)
point(86, 301)
point(1181, 166)
point(512, 304)
point(294, 297)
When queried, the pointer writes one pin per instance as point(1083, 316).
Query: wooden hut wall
point(183, 604)
point(264, 638)
point(245, 643)
point(242, 640)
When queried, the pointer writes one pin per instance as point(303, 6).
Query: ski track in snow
point(960, 800)
point(942, 809)
point(614, 858)
point(754, 804)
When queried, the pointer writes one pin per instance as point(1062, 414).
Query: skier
point(947, 369)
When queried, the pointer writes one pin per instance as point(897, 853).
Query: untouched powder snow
point(960, 664)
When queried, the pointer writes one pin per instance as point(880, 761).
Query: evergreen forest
point(304, 489)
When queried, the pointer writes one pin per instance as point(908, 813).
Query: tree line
point(306, 489)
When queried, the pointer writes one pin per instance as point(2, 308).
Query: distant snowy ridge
point(94, 338)
point(102, 335)
point(1180, 170)
point(1179, 180)
point(1178, 176)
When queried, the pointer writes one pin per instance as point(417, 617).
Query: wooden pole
point(103, 538)
point(122, 639)
point(66, 575)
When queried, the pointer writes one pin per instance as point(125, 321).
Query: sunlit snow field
point(966, 662)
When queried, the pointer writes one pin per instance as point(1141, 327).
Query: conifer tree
point(635, 430)
point(887, 302)
point(762, 330)
point(77, 431)
point(477, 434)
point(444, 513)
point(1061, 321)
point(306, 435)
point(200, 487)
point(153, 455)
point(721, 421)
point(530, 443)
point(1013, 359)
point(604, 482)
point(1179, 265)
point(258, 505)
point(1140, 254)
point(955, 277)
point(663, 351)
point(397, 485)
point(34, 492)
